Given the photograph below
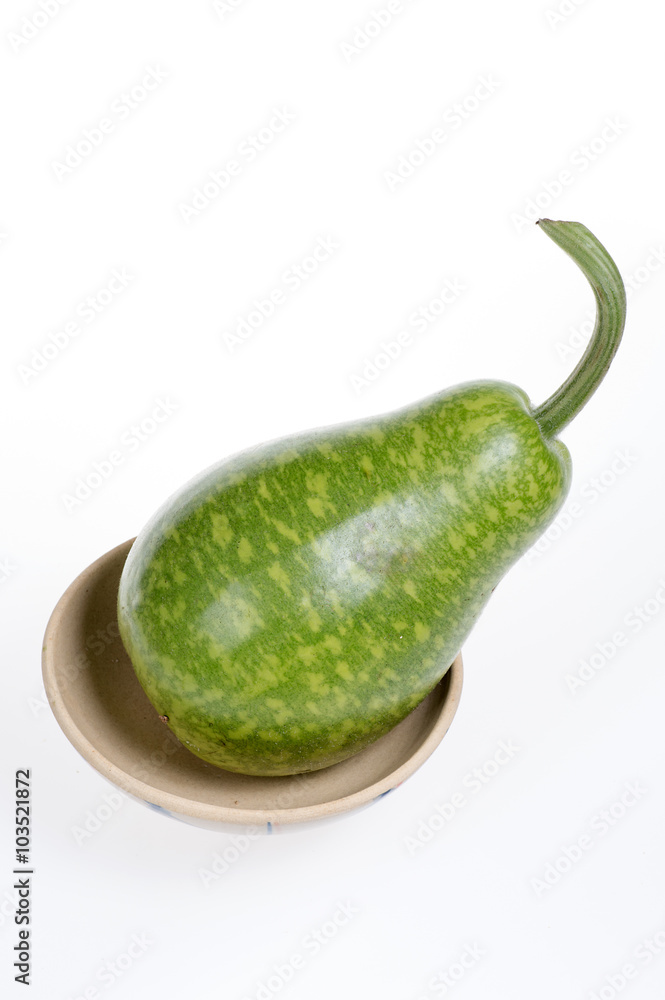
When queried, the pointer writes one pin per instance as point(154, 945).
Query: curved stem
point(600, 270)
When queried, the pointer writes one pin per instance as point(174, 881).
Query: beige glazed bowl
point(103, 711)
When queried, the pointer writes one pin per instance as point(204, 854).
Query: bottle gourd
point(290, 605)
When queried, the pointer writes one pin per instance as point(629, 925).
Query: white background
point(579, 92)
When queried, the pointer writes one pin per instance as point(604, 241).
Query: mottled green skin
point(291, 605)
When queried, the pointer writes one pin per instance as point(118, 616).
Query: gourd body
point(291, 605)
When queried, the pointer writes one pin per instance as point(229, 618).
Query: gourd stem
point(602, 274)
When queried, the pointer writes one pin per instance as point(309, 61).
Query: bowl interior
point(98, 702)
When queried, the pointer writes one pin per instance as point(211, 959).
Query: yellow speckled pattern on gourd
point(293, 604)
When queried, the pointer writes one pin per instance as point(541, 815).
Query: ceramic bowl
point(103, 711)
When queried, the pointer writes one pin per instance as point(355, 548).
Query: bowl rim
point(191, 807)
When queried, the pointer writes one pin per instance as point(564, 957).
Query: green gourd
point(291, 605)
